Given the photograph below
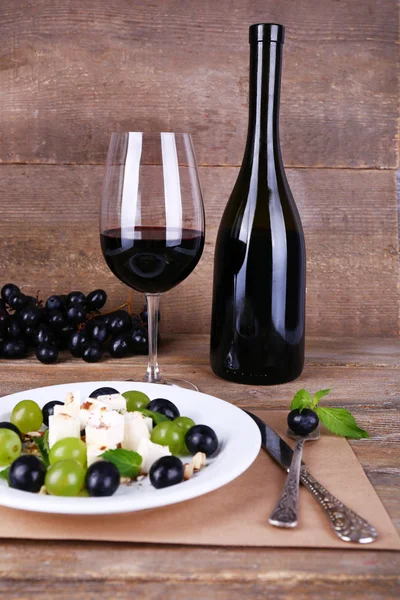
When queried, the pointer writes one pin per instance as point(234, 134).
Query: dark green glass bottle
point(258, 313)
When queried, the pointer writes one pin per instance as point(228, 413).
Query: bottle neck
point(265, 82)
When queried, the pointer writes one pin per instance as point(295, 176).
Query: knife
point(347, 525)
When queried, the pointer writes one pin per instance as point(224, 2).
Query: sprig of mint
point(157, 417)
point(127, 462)
point(338, 420)
point(42, 444)
point(4, 474)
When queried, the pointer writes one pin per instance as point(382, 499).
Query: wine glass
point(152, 220)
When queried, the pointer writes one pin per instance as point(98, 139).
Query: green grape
point(135, 400)
point(65, 478)
point(169, 434)
point(185, 423)
point(10, 447)
point(68, 448)
point(27, 416)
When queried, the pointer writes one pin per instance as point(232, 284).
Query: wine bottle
point(258, 313)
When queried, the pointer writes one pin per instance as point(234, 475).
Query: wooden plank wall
point(71, 72)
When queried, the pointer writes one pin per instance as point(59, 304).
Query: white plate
point(238, 435)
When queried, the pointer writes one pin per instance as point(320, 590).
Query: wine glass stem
point(153, 307)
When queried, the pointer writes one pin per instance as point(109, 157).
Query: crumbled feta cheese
point(149, 423)
point(105, 429)
point(71, 407)
point(89, 408)
point(113, 401)
point(62, 426)
point(150, 452)
point(135, 430)
point(93, 453)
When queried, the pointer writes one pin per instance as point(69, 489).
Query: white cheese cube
point(93, 453)
point(149, 423)
point(91, 407)
point(150, 452)
point(71, 406)
point(62, 426)
point(135, 430)
point(106, 429)
point(113, 401)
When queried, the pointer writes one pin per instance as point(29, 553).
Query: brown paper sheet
point(235, 515)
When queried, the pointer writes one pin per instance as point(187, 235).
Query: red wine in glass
point(152, 221)
point(152, 260)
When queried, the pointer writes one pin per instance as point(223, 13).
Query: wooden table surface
point(364, 375)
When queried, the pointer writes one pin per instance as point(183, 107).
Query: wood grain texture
point(71, 72)
point(49, 241)
point(72, 570)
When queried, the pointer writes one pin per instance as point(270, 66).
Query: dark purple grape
point(4, 319)
point(96, 300)
point(43, 334)
point(76, 298)
point(54, 303)
point(103, 391)
point(30, 333)
point(302, 423)
point(76, 342)
point(47, 353)
point(7, 290)
point(56, 319)
point(14, 349)
point(119, 346)
point(31, 315)
point(136, 321)
point(31, 300)
point(138, 340)
point(2, 305)
point(27, 473)
point(75, 313)
point(48, 410)
point(97, 331)
point(119, 321)
point(91, 352)
point(14, 329)
point(64, 335)
point(166, 471)
point(102, 479)
point(165, 407)
point(201, 438)
point(17, 301)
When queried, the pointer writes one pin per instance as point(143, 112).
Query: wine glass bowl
point(151, 218)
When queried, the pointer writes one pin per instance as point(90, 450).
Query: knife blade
point(276, 447)
point(347, 524)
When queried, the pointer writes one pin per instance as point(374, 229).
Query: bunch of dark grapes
point(72, 322)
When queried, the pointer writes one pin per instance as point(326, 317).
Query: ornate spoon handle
point(347, 525)
point(285, 512)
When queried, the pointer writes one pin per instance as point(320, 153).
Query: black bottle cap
point(266, 32)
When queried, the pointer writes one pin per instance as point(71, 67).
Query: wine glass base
point(181, 383)
point(174, 382)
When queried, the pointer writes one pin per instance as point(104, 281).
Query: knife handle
point(347, 525)
point(286, 509)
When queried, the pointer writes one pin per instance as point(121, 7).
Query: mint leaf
point(42, 444)
point(341, 422)
point(319, 395)
point(4, 474)
point(301, 400)
point(157, 417)
point(127, 462)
